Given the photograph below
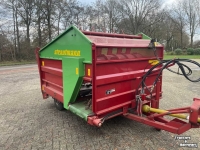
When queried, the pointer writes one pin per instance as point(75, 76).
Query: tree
point(60, 5)
point(38, 20)
point(112, 16)
point(25, 10)
point(11, 6)
point(138, 15)
point(49, 13)
point(177, 15)
point(192, 10)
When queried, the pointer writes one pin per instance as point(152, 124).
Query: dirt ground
point(29, 122)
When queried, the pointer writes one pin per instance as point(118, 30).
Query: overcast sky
point(90, 1)
point(86, 1)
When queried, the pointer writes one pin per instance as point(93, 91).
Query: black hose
point(186, 71)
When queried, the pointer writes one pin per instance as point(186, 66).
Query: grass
point(182, 56)
point(10, 63)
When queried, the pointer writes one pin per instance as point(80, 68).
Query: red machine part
point(120, 70)
point(50, 72)
point(115, 73)
point(195, 111)
point(176, 125)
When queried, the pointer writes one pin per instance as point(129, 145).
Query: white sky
point(167, 2)
point(86, 1)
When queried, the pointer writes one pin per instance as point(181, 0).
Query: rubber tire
point(157, 129)
point(58, 105)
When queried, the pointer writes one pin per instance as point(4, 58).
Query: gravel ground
point(28, 122)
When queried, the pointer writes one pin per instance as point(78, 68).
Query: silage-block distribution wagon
point(99, 75)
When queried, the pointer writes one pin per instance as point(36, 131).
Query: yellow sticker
point(88, 72)
point(153, 62)
point(156, 43)
point(76, 70)
point(43, 88)
point(67, 52)
point(42, 63)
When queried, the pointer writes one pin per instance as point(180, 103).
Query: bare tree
point(64, 12)
point(49, 12)
point(61, 7)
point(1, 45)
point(191, 9)
point(137, 14)
point(38, 20)
point(11, 6)
point(112, 15)
point(16, 24)
point(178, 17)
point(25, 10)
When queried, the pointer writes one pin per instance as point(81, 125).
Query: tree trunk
point(15, 46)
point(0, 56)
point(39, 3)
point(39, 32)
point(181, 38)
point(49, 18)
point(17, 30)
point(28, 38)
point(0, 48)
point(191, 40)
point(59, 16)
point(49, 27)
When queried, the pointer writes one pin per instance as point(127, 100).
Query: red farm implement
point(99, 76)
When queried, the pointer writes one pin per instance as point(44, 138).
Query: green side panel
point(80, 110)
point(73, 72)
point(144, 36)
point(71, 43)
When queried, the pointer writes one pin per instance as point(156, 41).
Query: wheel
point(157, 129)
point(58, 105)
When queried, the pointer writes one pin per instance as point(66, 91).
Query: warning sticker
point(156, 43)
point(153, 62)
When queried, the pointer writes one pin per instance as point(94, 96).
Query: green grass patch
point(11, 63)
point(182, 56)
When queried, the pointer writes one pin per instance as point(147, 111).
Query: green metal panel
point(73, 72)
point(144, 36)
point(80, 110)
point(71, 43)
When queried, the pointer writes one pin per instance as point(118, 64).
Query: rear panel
point(51, 77)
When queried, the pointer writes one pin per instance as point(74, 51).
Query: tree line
point(27, 24)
